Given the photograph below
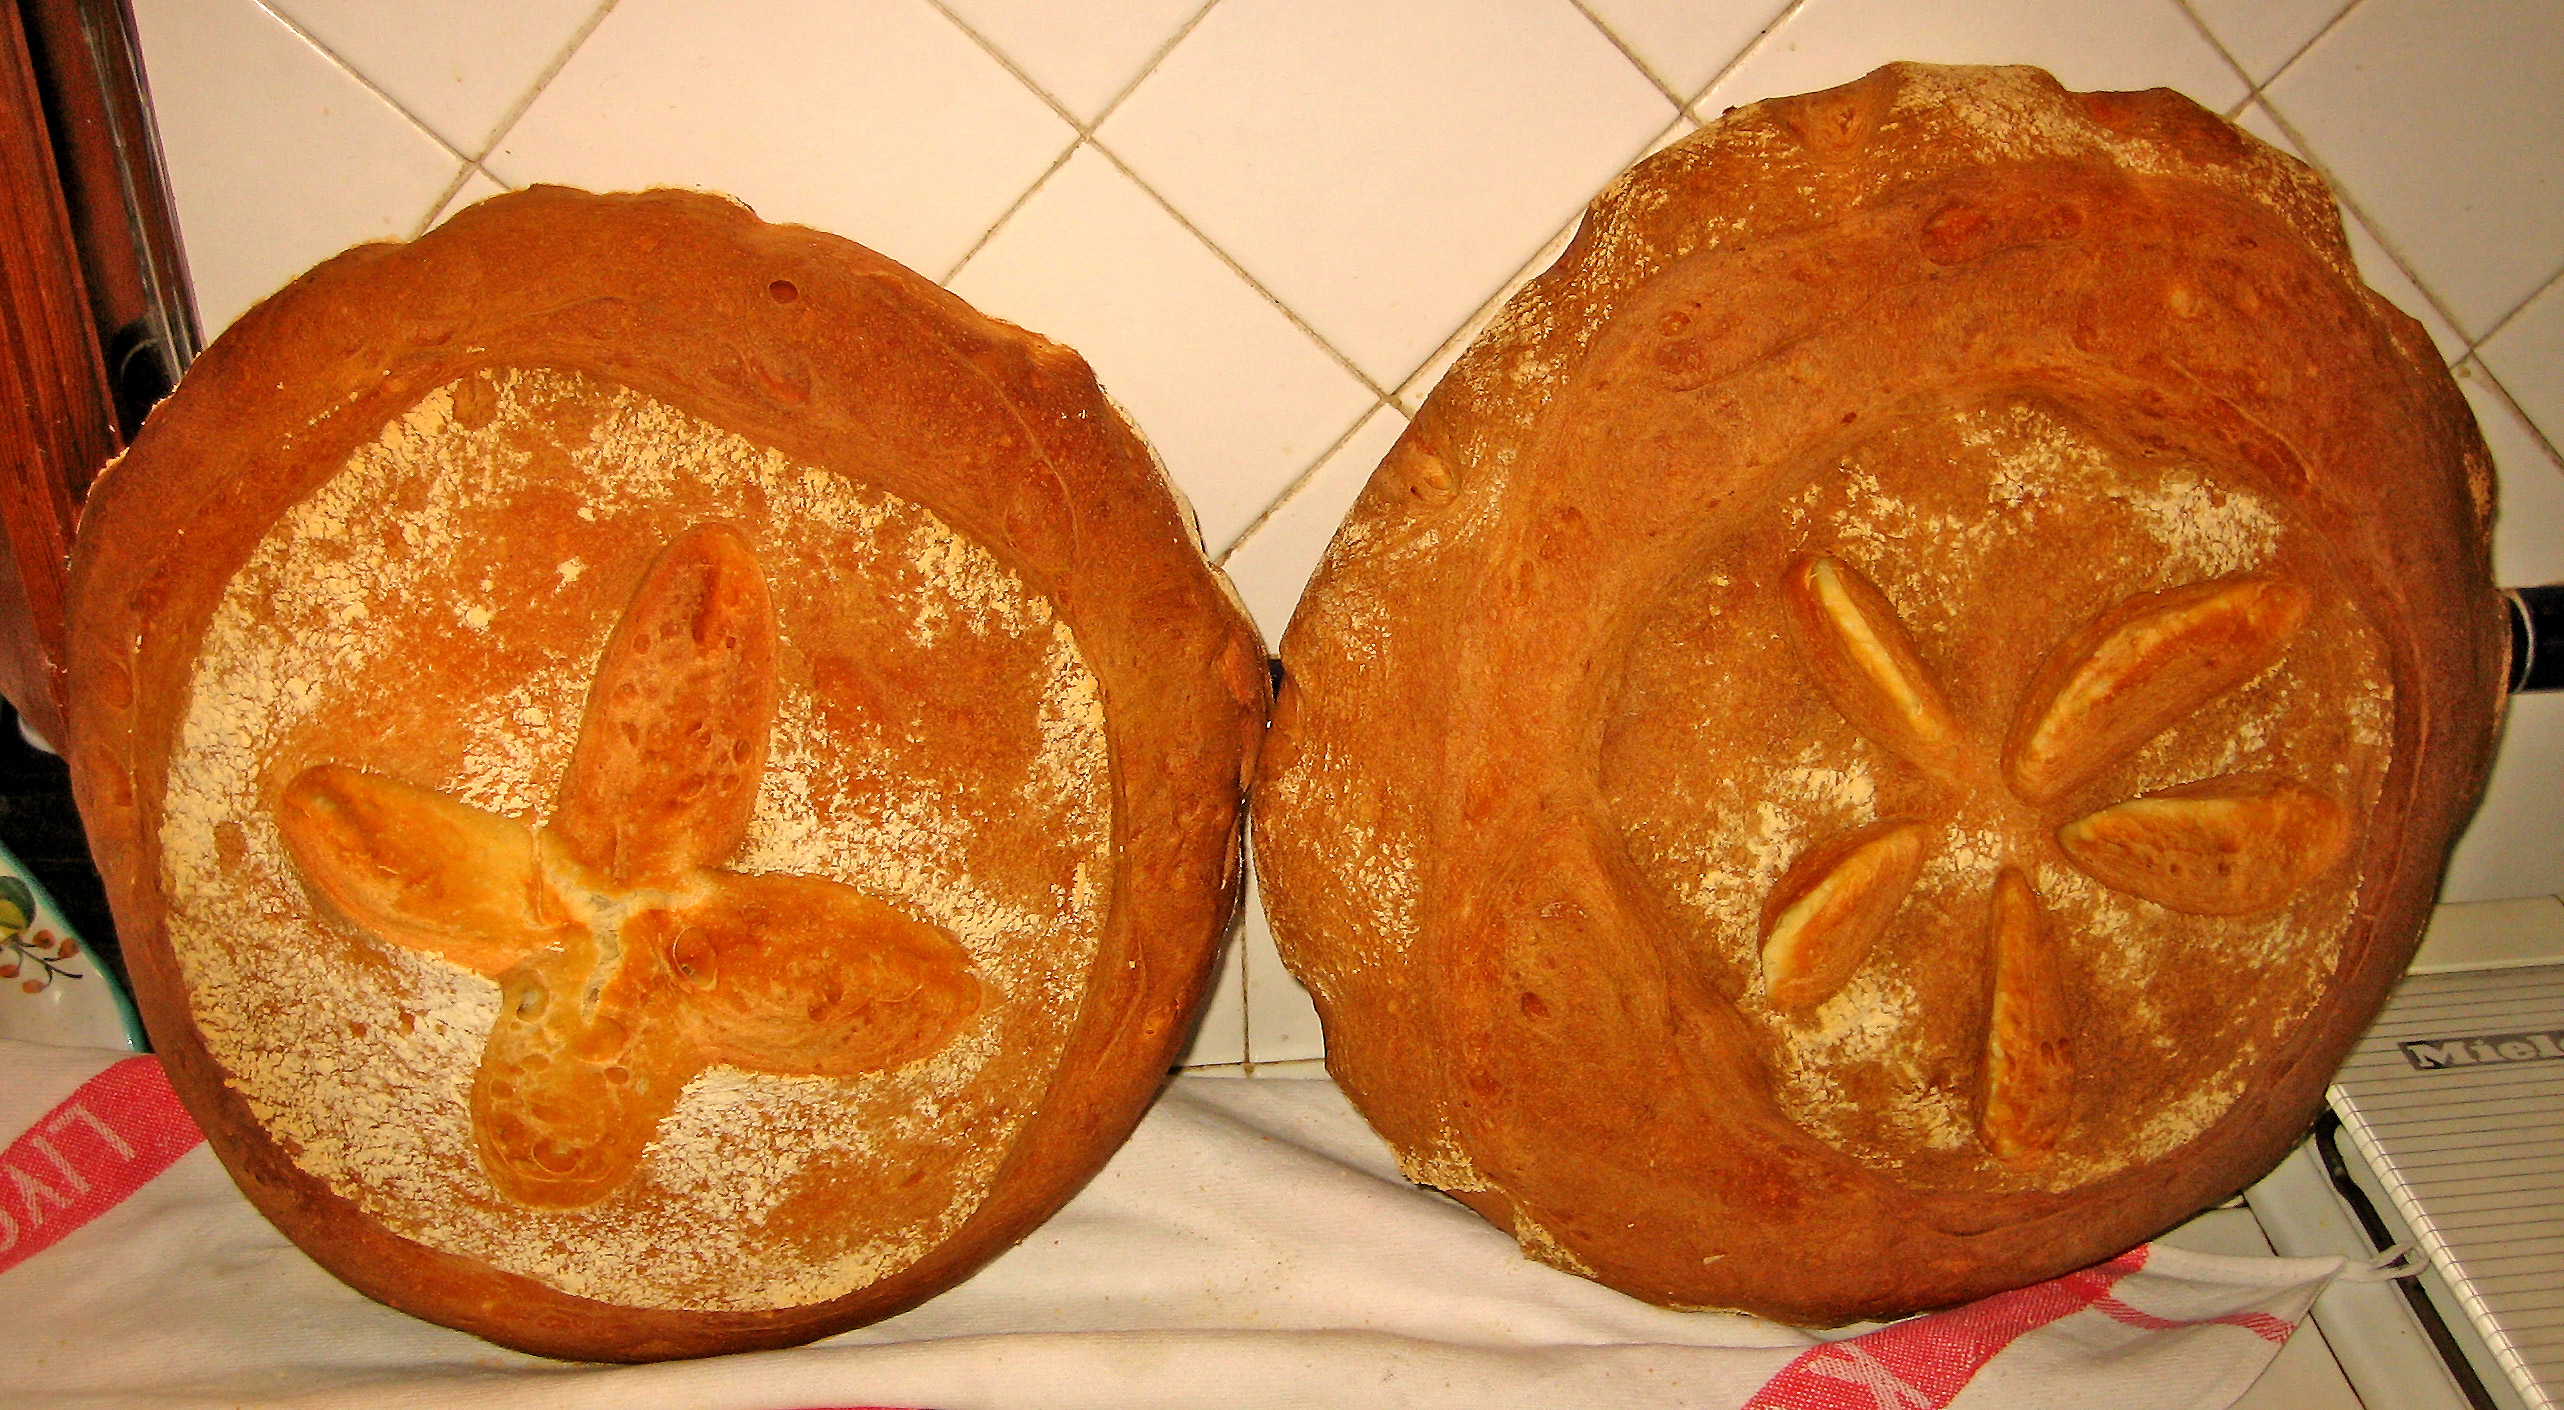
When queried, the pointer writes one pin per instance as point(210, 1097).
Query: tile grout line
point(1740, 56)
point(2301, 50)
point(1014, 71)
point(2342, 197)
point(516, 113)
point(2259, 95)
point(453, 188)
point(1301, 481)
point(1682, 114)
point(1009, 213)
point(290, 26)
point(2483, 372)
point(1487, 309)
point(1086, 138)
point(1382, 396)
point(369, 85)
point(1385, 397)
point(2252, 90)
point(1085, 130)
point(1239, 270)
point(2544, 287)
point(1182, 32)
point(2469, 363)
point(2474, 345)
point(1626, 52)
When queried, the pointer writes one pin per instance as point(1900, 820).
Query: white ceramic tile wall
point(2453, 145)
point(1094, 260)
point(279, 155)
point(1270, 223)
point(463, 68)
point(2087, 44)
point(877, 119)
point(1083, 56)
point(2263, 35)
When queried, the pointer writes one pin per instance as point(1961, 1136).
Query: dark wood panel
point(107, 158)
point(57, 420)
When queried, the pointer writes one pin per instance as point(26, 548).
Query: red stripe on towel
point(2276, 1330)
point(81, 1159)
point(1923, 1364)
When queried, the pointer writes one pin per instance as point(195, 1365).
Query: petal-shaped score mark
point(664, 777)
point(2221, 847)
point(2139, 667)
point(1830, 907)
point(626, 965)
point(792, 974)
point(2228, 846)
point(2027, 1090)
point(418, 868)
point(582, 1066)
point(1859, 654)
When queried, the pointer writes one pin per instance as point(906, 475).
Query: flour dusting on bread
point(939, 745)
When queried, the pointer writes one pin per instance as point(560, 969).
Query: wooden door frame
point(90, 267)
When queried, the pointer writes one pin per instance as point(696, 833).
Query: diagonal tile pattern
point(461, 67)
point(2453, 146)
point(1382, 168)
point(1092, 260)
point(2087, 44)
point(1083, 56)
point(279, 156)
point(1682, 44)
point(2384, 273)
point(1271, 224)
point(2263, 35)
point(2526, 356)
point(880, 120)
point(476, 186)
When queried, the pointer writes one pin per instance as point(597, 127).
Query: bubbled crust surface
point(1553, 734)
point(795, 354)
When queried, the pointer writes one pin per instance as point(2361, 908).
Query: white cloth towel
point(1254, 1245)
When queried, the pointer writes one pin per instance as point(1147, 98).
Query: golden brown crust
point(1000, 455)
point(1570, 722)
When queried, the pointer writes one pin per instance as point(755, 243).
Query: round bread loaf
point(1886, 726)
point(668, 787)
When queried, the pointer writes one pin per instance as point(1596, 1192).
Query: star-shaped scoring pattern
point(2231, 845)
point(626, 961)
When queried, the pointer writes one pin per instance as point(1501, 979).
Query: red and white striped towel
point(1252, 1246)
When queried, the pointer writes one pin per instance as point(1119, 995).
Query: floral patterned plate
point(52, 990)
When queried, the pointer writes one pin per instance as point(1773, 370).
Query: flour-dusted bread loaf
point(1883, 730)
point(668, 787)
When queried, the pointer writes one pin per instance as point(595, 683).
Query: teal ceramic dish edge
point(52, 988)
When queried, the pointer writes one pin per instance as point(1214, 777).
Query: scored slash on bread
point(2231, 845)
point(627, 962)
point(975, 669)
point(2139, 667)
point(1858, 653)
point(1831, 906)
point(1741, 935)
point(2027, 1095)
point(2219, 847)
